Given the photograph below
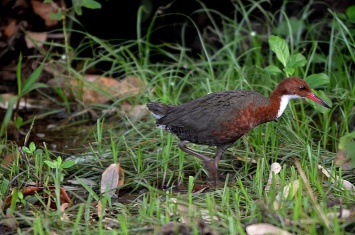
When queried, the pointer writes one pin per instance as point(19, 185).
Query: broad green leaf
point(280, 47)
point(91, 4)
point(272, 70)
point(350, 12)
point(345, 139)
point(317, 106)
point(56, 16)
point(26, 150)
point(51, 164)
point(289, 71)
point(59, 161)
point(78, 10)
point(316, 80)
point(296, 60)
point(68, 164)
point(32, 147)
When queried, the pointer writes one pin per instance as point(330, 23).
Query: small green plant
point(59, 165)
point(24, 86)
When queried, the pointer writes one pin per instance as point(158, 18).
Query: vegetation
point(161, 183)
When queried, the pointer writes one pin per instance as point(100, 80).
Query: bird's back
point(215, 119)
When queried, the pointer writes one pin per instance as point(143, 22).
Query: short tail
point(159, 110)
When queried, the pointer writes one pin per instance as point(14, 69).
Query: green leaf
point(68, 164)
point(19, 74)
point(91, 4)
point(345, 139)
point(78, 10)
point(59, 161)
point(272, 70)
point(18, 122)
point(280, 47)
point(26, 150)
point(350, 12)
point(289, 71)
point(32, 147)
point(316, 80)
point(51, 164)
point(29, 83)
point(56, 16)
point(6, 120)
point(296, 60)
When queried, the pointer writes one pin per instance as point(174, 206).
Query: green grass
point(161, 181)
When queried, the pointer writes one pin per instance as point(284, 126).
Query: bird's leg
point(211, 165)
point(182, 146)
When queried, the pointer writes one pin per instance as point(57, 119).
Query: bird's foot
point(212, 171)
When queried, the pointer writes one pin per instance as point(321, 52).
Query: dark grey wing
point(199, 120)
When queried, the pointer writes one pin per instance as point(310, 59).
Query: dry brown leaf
point(247, 159)
point(9, 223)
point(44, 10)
point(97, 89)
point(275, 168)
point(183, 210)
point(10, 28)
point(334, 178)
point(63, 207)
point(344, 214)
point(342, 160)
point(112, 178)
point(289, 191)
point(183, 229)
point(100, 210)
point(78, 181)
point(31, 190)
point(134, 112)
point(24, 103)
point(35, 40)
point(9, 159)
point(265, 229)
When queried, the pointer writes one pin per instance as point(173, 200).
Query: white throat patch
point(284, 101)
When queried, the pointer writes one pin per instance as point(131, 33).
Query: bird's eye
point(302, 87)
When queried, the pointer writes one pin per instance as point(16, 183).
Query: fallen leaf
point(275, 168)
point(10, 28)
point(265, 229)
point(112, 178)
point(183, 229)
point(334, 179)
point(183, 210)
point(35, 40)
point(79, 181)
point(9, 159)
point(289, 191)
point(344, 214)
point(98, 89)
point(31, 190)
point(134, 112)
point(44, 10)
point(346, 152)
point(24, 103)
point(9, 223)
point(63, 207)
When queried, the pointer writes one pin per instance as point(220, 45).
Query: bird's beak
point(315, 98)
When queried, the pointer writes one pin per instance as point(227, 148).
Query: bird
point(219, 119)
